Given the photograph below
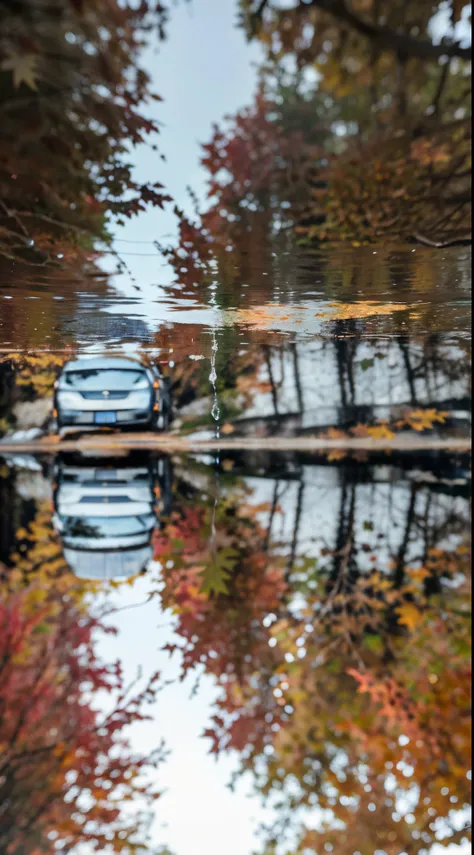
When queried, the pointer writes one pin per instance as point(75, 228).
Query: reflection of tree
point(343, 680)
point(252, 581)
point(66, 768)
point(77, 527)
point(272, 385)
point(357, 381)
point(40, 342)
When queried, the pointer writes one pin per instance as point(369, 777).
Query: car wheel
point(162, 422)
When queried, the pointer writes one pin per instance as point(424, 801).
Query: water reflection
point(280, 287)
point(329, 602)
point(269, 385)
point(325, 598)
point(107, 511)
point(286, 388)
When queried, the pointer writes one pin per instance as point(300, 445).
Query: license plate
point(105, 418)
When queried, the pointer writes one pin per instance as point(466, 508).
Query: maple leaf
point(380, 432)
point(217, 571)
point(362, 309)
point(421, 420)
point(408, 615)
point(23, 68)
point(418, 574)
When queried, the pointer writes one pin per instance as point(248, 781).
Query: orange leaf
point(409, 615)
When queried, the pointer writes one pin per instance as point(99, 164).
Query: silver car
point(111, 391)
point(106, 512)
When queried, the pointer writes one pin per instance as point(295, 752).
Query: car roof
point(102, 363)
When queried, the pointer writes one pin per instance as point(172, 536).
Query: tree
point(412, 119)
point(71, 93)
point(67, 771)
point(259, 164)
point(331, 32)
point(379, 146)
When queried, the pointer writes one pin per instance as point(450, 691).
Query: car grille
point(99, 396)
point(106, 500)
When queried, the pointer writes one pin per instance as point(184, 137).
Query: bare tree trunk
point(271, 377)
point(296, 526)
point(272, 515)
point(409, 370)
point(298, 387)
point(399, 572)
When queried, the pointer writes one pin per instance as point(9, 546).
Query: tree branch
point(387, 39)
point(440, 88)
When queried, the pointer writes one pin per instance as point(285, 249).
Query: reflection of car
point(111, 391)
point(106, 511)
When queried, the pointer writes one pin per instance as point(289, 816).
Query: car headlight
point(143, 383)
point(69, 400)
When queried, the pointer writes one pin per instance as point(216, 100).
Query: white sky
point(204, 71)
point(197, 815)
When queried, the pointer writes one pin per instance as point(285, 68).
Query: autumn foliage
point(344, 690)
point(72, 94)
point(67, 771)
point(343, 679)
point(378, 147)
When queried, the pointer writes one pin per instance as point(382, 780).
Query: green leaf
point(365, 364)
point(42, 628)
point(373, 643)
point(216, 573)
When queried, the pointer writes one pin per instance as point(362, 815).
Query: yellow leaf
point(362, 309)
point(419, 574)
point(420, 420)
point(409, 615)
point(380, 432)
point(23, 68)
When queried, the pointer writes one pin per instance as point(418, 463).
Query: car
point(105, 512)
point(111, 391)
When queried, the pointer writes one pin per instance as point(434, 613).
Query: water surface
point(293, 628)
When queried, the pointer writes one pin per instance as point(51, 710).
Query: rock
point(33, 414)
point(26, 435)
point(32, 485)
point(200, 407)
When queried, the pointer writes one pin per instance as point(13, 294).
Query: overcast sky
point(204, 71)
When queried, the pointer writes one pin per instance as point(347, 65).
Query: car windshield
point(91, 527)
point(112, 379)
